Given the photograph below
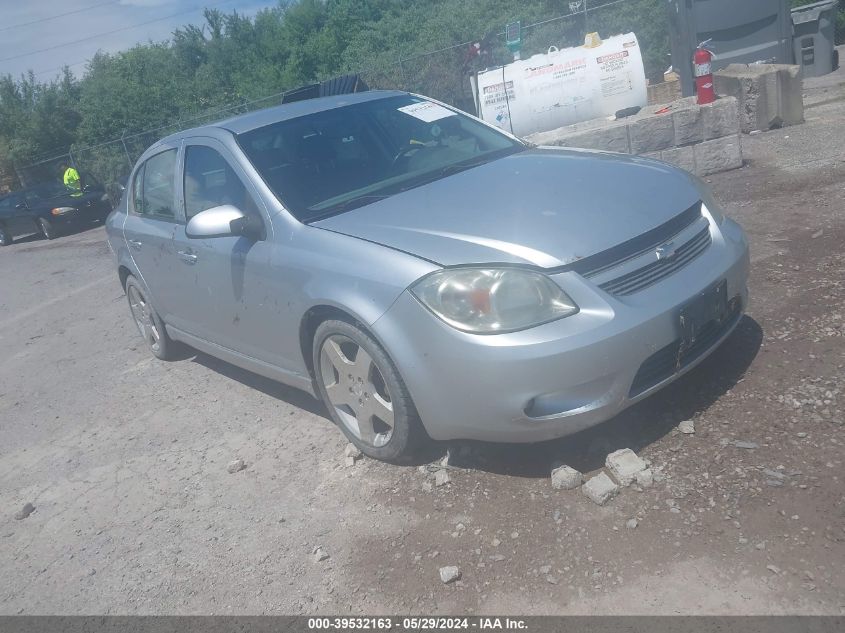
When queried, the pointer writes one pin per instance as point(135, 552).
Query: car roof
point(260, 118)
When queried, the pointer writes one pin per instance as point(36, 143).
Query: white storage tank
point(562, 87)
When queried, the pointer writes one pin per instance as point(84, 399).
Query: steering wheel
point(405, 149)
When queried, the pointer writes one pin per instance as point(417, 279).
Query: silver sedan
point(424, 273)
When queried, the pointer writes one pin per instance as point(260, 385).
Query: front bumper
point(561, 377)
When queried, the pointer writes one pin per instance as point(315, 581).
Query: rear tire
point(5, 236)
point(365, 394)
point(47, 228)
point(148, 322)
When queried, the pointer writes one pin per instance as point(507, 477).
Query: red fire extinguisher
point(703, 65)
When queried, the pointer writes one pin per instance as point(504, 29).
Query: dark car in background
point(50, 209)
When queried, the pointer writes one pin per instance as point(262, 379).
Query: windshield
point(46, 191)
point(329, 162)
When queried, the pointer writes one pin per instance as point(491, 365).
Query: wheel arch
point(312, 319)
point(123, 272)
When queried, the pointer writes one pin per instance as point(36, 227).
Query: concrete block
point(600, 489)
point(651, 133)
point(720, 118)
point(665, 92)
point(610, 137)
point(768, 94)
point(624, 465)
point(792, 92)
point(718, 155)
point(683, 157)
point(688, 124)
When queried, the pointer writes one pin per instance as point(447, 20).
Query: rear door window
point(153, 191)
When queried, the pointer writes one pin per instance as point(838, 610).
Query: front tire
point(364, 392)
point(148, 322)
point(5, 236)
point(47, 229)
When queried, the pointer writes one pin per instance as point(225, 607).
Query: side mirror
point(223, 221)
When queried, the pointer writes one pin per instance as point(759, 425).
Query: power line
point(55, 68)
point(58, 15)
point(123, 28)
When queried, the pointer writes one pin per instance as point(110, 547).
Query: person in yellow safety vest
point(71, 179)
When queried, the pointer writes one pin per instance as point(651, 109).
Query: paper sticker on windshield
point(427, 111)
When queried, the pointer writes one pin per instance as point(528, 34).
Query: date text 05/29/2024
point(417, 623)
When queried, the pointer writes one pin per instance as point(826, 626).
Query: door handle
point(136, 244)
point(187, 256)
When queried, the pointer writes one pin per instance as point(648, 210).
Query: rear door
point(150, 224)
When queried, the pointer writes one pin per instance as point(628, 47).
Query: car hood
point(544, 207)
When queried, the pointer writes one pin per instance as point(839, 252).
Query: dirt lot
point(124, 457)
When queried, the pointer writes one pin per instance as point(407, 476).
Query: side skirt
point(244, 362)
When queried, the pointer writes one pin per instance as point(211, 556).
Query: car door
point(233, 296)
point(17, 216)
point(150, 224)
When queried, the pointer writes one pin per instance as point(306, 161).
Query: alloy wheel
point(357, 390)
point(143, 314)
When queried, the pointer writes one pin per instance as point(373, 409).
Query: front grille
point(671, 359)
point(619, 254)
point(655, 272)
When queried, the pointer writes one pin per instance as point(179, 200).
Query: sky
point(74, 30)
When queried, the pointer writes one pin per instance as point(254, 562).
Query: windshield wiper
point(346, 205)
point(455, 168)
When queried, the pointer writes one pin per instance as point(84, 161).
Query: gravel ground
point(124, 458)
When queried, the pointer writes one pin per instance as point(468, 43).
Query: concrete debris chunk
point(236, 465)
point(600, 489)
point(441, 478)
point(349, 461)
point(352, 451)
point(687, 427)
point(774, 474)
point(749, 446)
point(645, 478)
point(24, 512)
point(624, 465)
point(320, 554)
point(450, 573)
point(631, 524)
point(566, 478)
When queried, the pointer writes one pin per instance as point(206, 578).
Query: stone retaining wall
point(701, 139)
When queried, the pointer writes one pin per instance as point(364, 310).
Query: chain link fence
point(443, 74)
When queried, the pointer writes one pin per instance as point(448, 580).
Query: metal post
point(586, 18)
point(402, 72)
point(126, 151)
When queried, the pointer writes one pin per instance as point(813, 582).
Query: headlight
point(711, 206)
point(62, 210)
point(492, 301)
